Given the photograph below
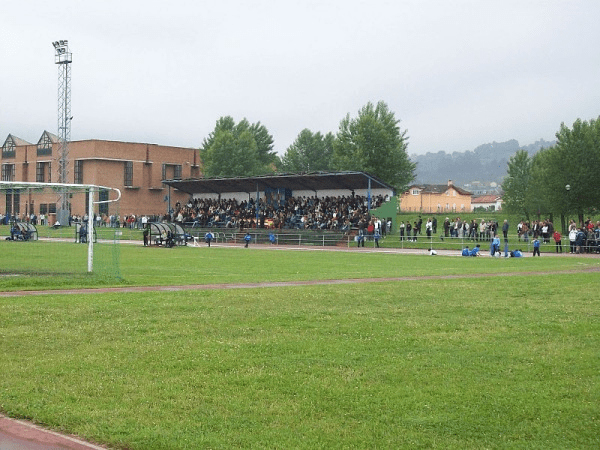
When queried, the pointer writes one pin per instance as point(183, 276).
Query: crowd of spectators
point(338, 213)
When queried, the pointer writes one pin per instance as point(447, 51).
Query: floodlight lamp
point(568, 187)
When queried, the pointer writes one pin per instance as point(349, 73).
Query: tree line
point(370, 142)
point(560, 180)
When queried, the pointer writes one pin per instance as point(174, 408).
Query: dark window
point(129, 173)
point(8, 172)
point(78, 172)
point(43, 172)
point(39, 172)
point(171, 171)
point(177, 172)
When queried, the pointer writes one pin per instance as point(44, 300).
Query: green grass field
point(487, 362)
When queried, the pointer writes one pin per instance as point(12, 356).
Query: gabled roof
point(51, 137)
point(438, 188)
point(317, 181)
point(16, 141)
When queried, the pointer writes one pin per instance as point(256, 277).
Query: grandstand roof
point(317, 181)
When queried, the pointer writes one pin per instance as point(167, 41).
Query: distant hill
point(486, 163)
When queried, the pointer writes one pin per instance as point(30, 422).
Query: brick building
point(136, 169)
point(433, 198)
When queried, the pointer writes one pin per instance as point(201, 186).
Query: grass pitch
point(492, 362)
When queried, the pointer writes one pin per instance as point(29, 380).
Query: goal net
point(34, 240)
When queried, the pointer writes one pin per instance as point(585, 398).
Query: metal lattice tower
point(63, 58)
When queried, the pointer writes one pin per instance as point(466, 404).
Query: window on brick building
point(128, 173)
point(172, 171)
point(78, 172)
point(8, 172)
point(43, 172)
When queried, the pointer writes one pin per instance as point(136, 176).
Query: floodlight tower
point(63, 58)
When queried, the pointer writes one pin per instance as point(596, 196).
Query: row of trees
point(561, 180)
point(371, 142)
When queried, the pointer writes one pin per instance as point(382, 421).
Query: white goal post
point(69, 188)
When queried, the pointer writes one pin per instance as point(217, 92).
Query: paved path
point(23, 435)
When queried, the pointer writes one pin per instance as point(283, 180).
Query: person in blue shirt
point(208, 237)
point(466, 251)
point(272, 238)
point(376, 237)
point(247, 238)
point(536, 247)
point(516, 254)
point(495, 247)
point(475, 251)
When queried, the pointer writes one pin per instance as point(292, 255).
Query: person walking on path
point(247, 238)
point(208, 237)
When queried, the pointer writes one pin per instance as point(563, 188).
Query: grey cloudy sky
point(456, 73)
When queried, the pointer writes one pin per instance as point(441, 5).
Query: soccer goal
point(58, 246)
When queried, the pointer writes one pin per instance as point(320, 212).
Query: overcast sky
point(456, 73)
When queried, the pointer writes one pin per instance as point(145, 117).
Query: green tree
point(539, 192)
point(374, 143)
point(242, 149)
point(309, 152)
point(579, 149)
point(516, 184)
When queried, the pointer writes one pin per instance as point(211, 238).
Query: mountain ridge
point(486, 163)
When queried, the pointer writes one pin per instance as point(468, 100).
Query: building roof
point(52, 137)
point(17, 141)
point(438, 188)
point(317, 181)
point(486, 199)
